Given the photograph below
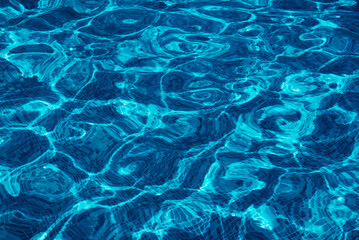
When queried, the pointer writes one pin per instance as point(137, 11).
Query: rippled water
point(179, 119)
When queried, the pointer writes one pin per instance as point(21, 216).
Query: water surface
point(174, 120)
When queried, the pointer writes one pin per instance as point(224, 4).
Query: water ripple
point(179, 119)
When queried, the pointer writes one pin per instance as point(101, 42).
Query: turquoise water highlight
point(177, 120)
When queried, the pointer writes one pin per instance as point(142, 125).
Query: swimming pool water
point(174, 120)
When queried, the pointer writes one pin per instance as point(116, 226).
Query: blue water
point(174, 120)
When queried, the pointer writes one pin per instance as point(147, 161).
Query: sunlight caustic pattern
point(179, 119)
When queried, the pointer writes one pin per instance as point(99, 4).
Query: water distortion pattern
point(174, 120)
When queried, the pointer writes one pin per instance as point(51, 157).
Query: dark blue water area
point(179, 119)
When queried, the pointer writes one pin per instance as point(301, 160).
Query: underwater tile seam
point(179, 119)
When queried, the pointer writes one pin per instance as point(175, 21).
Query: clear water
point(175, 120)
